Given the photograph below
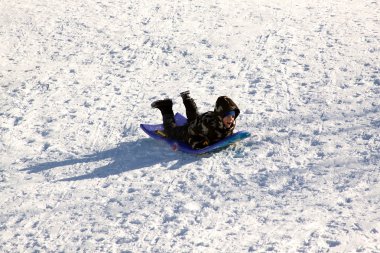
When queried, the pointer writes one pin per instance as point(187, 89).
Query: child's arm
point(198, 142)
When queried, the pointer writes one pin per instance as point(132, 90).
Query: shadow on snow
point(126, 156)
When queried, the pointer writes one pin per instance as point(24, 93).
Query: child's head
point(228, 119)
point(227, 110)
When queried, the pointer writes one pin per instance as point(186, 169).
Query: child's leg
point(166, 108)
point(171, 129)
point(191, 107)
point(177, 132)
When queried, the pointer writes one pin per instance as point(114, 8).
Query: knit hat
point(230, 113)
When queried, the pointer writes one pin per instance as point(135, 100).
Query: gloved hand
point(199, 142)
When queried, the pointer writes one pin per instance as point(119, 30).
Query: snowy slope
point(78, 175)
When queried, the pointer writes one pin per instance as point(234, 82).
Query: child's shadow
point(126, 156)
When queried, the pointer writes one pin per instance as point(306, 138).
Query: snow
point(78, 175)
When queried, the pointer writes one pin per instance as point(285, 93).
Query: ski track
point(78, 175)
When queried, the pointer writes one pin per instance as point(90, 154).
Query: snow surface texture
point(78, 175)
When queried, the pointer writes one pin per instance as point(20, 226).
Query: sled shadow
point(126, 156)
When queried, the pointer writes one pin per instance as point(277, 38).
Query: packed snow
point(77, 78)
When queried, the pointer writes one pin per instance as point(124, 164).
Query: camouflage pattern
point(208, 128)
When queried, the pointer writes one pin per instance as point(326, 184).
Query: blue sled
point(151, 130)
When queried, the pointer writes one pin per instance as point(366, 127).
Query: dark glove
point(198, 142)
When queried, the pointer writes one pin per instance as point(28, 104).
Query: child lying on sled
point(201, 130)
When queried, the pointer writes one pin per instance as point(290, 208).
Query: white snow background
point(78, 175)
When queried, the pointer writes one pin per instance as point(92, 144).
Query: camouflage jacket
point(208, 128)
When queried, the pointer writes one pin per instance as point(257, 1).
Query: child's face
point(228, 121)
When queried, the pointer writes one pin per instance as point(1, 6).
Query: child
point(201, 130)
